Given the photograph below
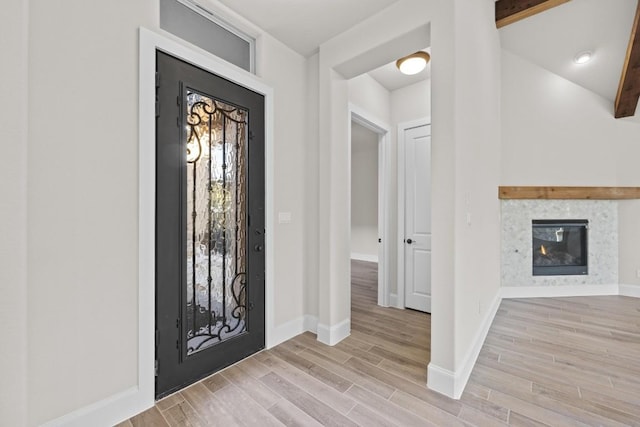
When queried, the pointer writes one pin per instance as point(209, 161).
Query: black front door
point(209, 223)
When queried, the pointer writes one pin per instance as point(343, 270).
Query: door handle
point(409, 241)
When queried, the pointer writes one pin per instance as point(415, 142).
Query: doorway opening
point(369, 197)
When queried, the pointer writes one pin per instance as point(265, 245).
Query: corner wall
point(82, 195)
point(14, 92)
point(477, 171)
point(289, 173)
point(312, 185)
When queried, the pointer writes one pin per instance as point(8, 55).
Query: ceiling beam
point(629, 87)
point(510, 11)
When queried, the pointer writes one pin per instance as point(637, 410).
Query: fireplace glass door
point(559, 247)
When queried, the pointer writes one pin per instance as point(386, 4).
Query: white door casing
point(415, 204)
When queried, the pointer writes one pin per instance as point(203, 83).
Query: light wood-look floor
point(554, 361)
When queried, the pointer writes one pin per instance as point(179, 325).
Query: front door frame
point(402, 128)
point(151, 41)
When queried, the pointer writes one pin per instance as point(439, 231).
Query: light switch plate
point(284, 217)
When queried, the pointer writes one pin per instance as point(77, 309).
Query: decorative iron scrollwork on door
point(216, 144)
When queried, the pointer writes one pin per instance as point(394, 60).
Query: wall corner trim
point(452, 384)
point(469, 361)
point(441, 380)
point(310, 323)
point(295, 327)
point(288, 330)
point(334, 334)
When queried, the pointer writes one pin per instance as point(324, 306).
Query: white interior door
point(417, 223)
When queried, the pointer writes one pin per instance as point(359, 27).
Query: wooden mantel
point(575, 193)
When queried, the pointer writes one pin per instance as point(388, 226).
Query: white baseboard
point(469, 361)
point(106, 412)
point(292, 328)
point(441, 380)
point(334, 334)
point(452, 384)
point(393, 300)
point(311, 323)
point(629, 290)
point(558, 291)
point(122, 406)
point(364, 257)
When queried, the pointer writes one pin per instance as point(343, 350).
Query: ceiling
point(553, 38)
point(303, 25)
point(550, 39)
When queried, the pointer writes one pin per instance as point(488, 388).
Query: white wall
point(290, 171)
point(82, 195)
point(543, 113)
point(370, 96)
point(554, 131)
point(13, 212)
point(411, 103)
point(78, 239)
point(477, 174)
point(364, 192)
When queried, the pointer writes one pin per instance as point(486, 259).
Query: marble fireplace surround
point(599, 205)
point(602, 241)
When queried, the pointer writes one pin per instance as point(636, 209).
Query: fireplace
point(559, 247)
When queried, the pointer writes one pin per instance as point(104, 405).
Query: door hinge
point(155, 368)
point(379, 240)
point(157, 100)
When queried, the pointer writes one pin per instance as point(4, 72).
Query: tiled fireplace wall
point(602, 240)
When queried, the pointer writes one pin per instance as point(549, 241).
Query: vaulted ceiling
point(548, 33)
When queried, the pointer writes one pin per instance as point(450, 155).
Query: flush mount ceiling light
point(414, 63)
point(583, 57)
